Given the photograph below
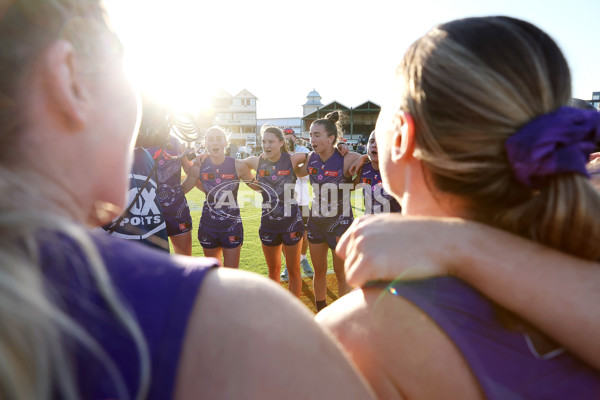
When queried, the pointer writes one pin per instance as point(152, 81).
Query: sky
point(182, 51)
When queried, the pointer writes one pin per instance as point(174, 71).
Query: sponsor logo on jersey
point(295, 235)
point(227, 176)
point(331, 173)
point(283, 172)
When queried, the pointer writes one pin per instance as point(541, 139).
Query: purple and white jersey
point(280, 209)
point(331, 204)
point(169, 175)
point(221, 186)
point(376, 199)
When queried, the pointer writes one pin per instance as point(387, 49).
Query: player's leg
point(213, 252)
point(338, 267)
point(231, 257)
point(182, 243)
point(292, 260)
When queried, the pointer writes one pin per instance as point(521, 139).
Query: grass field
point(252, 258)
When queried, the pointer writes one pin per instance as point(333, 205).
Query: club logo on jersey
point(262, 173)
point(331, 173)
point(283, 172)
point(227, 176)
point(207, 176)
point(367, 181)
point(313, 171)
point(234, 238)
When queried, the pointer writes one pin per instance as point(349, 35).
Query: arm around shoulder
point(248, 338)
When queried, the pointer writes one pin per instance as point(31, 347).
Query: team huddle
point(282, 175)
point(486, 286)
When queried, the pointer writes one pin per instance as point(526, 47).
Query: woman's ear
point(63, 86)
point(403, 136)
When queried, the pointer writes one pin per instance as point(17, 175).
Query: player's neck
point(217, 159)
point(327, 153)
point(274, 158)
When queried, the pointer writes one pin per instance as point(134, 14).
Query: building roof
point(245, 94)
point(368, 106)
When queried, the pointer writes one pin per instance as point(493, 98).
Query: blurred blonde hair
point(34, 360)
point(470, 84)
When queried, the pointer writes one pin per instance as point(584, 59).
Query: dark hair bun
point(333, 116)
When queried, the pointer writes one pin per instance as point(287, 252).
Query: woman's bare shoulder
point(249, 338)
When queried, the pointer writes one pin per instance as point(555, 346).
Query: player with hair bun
point(331, 212)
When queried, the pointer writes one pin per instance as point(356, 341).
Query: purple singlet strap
point(553, 143)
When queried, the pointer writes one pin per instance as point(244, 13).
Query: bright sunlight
point(166, 54)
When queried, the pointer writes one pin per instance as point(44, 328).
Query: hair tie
point(553, 143)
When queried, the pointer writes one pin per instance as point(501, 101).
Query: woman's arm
point(278, 352)
point(244, 173)
point(251, 162)
point(357, 165)
point(301, 169)
point(298, 159)
point(191, 178)
point(349, 159)
point(556, 292)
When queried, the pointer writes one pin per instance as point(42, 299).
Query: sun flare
point(164, 54)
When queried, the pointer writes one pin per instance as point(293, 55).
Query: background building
point(596, 100)
point(358, 122)
point(236, 114)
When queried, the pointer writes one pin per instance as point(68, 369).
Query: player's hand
point(390, 246)
point(343, 148)
point(356, 165)
point(201, 158)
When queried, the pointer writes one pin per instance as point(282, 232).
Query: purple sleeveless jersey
point(280, 211)
point(503, 361)
point(376, 199)
point(331, 208)
point(221, 211)
point(171, 196)
point(159, 290)
point(169, 174)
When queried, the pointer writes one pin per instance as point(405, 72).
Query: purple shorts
point(276, 238)
point(319, 234)
point(212, 238)
point(178, 221)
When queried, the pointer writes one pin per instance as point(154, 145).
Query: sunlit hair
point(277, 132)
point(34, 360)
point(218, 130)
point(470, 84)
point(332, 124)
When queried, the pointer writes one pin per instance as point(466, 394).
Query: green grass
point(252, 258)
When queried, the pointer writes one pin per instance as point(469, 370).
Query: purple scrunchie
point(553, 143)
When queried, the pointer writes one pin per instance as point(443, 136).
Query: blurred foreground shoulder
point(249, 338)
point(400, 351)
